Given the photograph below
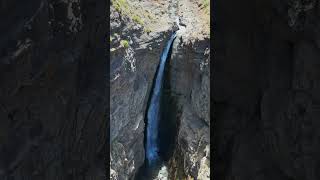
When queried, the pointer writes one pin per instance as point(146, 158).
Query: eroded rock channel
point(154, 118)
point(174, 108)
point(183, 129)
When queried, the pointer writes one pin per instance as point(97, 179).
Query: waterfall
point(153, 114)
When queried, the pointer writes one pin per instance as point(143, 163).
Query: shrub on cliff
point(124, 43)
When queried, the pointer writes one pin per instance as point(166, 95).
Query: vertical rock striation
point(189, 81)
point(189, 71)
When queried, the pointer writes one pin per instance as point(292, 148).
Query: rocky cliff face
point(136, 47)
point(190, 85)
point(137, 40)
point(52, 89)
point(189, 79)
point(266, 90)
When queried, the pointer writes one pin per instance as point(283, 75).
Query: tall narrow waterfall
point(153, 115)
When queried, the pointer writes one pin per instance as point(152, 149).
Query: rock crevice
point(144, 33)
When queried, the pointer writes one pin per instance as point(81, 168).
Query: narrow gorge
point(154, 117)
point(140, 31)
point(153, 112)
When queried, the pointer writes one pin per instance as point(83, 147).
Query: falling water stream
point(153, 160)
point(153, 115)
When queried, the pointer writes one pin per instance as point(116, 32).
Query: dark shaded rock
point(189, 81)
point(265, 91)
point(52, 89)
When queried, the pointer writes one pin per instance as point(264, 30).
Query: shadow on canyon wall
point(265, 90)
point(168, 125)
point(53, 89)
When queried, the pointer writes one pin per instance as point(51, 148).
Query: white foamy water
point(163, 173)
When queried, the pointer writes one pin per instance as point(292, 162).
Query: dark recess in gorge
point(169, 124)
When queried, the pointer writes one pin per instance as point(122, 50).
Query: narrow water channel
point(155, 167)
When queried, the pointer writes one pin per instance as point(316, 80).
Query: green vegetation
point(206, 5)
point(120, 5)
point(137, 19)
point(137, 15)
point(124, 43)
point(123, 7)
point(147, 30)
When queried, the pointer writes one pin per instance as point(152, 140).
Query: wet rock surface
point(52, 89)
point(265, 90)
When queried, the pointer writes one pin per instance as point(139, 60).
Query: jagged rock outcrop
point(190, 87)
point(52, 89)
point(189, 79)
point(266, 90)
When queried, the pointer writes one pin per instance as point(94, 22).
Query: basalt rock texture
point(190, 88)
point(52, 89)
point(266, 90)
